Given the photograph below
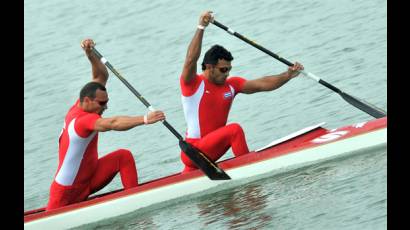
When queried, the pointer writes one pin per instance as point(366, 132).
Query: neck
point(207, 75)
point(83, 106)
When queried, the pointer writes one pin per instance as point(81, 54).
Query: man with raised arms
point(80, 172)
point(207, 97)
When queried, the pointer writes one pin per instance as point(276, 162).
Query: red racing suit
point(206, 109)
point(80, 172)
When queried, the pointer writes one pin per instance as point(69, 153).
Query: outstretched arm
point(273, 82)
point(122, 123)
point(99, 71)
point(194, 49)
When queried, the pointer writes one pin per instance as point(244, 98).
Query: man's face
point(220, 71)
point(99, 104)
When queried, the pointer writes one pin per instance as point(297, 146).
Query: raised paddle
point(360, 104)
point(196, 156)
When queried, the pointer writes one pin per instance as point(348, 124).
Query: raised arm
point(99, 71)
point(194, 48)
point(269, 83)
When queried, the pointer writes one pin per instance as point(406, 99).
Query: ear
point(87, 99)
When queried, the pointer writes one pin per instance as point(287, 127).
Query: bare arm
point(122, 123)
point(99, 71)
point(273, 82)
point(194, 48)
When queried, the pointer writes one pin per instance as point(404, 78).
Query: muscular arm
point(122, 123)
point(192, 56)
point(99, 71)
point(118, 123)
point(273, 82)
point(194, 49)
point(267, 83)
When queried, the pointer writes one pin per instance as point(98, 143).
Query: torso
point(206, 105)
point(77, 148)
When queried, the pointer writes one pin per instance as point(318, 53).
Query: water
point(343, 42)
point(339, 194)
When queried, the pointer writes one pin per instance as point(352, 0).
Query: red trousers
point(215, 144)
point(108, 166)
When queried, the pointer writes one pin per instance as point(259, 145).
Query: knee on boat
point(126, 154)
point(236, 128)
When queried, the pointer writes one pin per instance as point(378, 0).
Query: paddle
point(360, 104)
point(196, 156)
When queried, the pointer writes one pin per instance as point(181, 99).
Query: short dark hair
point(90, 89)
point(215, 53)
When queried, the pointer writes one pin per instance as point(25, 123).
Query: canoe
point(308, 146)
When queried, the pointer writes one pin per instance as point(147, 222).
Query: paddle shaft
point(263, 49)
point(364, 106)
point(136, 93)
point(196, 156)
point(270, 53)
point(229, 30)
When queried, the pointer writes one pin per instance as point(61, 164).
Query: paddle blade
point(202, 162)
point(356, 102)
point(364, 106)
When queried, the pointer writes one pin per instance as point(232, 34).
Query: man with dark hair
point(207, 98)
point(80, 173)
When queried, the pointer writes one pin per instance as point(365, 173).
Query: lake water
point(344, 42)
